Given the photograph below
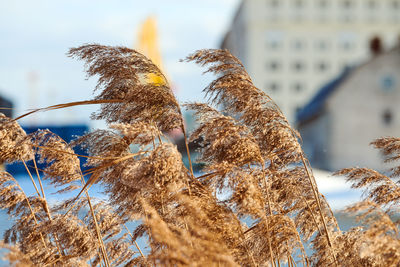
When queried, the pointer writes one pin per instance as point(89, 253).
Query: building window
point(273, 65)
point(322, 3)
point(273, 87)
point(347, 4)
point(274, 44)
point(388, 83)
point(372, 4)
point(395, 4)
point(387, 117)
point(274, 39)
point(346, 45)
point(298, 66)
point(298, 87)
point(298, 45)
point(299, 3)
point(321, 45)
point(347, 40)
point(322, 66)
point(274, 3)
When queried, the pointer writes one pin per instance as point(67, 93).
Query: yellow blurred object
point(148, 46)
point(155, 79)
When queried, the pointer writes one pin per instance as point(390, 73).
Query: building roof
point(316, 104)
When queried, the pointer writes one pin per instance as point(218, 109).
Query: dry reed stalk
point(134, 241)
point(276, 139)
point(251, 155)
point(99, 237)
point(64, 169)
point(5, 177)
point(45, 207)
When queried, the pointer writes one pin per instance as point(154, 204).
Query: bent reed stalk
point(272, 213)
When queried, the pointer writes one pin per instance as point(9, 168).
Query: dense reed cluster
point(256, 202)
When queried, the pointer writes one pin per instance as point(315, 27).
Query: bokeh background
point(35, 36)
point(332, 66)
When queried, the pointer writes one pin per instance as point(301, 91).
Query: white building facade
point(357, 107)
point(292, 47)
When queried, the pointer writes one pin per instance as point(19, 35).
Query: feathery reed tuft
point(14, 143)
point(255, 203)
point(123, 73)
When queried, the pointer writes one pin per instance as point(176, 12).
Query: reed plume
point(277, 142)
point(256, 202)
point(14, 143)
point(122, 74)
point(379, 207)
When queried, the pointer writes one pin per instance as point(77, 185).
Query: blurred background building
point(358, 106)
point(291, 48)
point(6, 106)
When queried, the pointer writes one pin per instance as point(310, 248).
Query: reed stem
point(134, 241)
point(45, 207)
point(31, 177)
point(98, 233)
point(316, 196)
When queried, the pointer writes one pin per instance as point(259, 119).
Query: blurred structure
point(66, 132)
point(148, 46)
point(6, 107)
point(148, 40)
point(292, 47)
point(352, 110)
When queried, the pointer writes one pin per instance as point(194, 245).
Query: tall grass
point(250, 153)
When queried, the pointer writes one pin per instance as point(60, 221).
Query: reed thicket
point(252, 156)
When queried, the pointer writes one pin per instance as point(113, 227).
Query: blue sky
point(35, 35)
